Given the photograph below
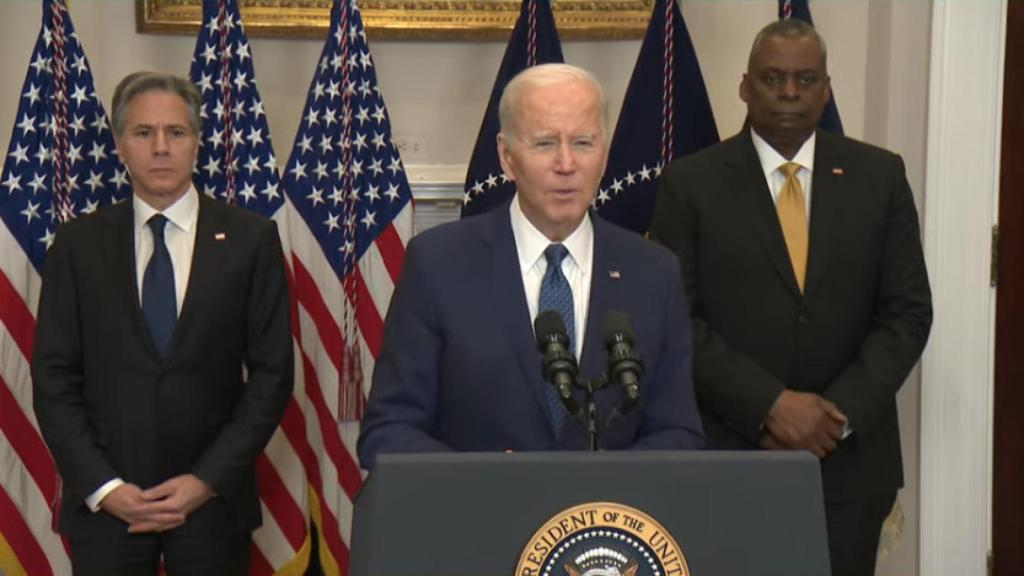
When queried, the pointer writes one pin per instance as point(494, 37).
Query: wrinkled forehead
point(157, 106)
point(788, 52)
point(572, 106)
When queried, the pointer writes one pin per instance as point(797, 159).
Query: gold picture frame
point(405, 18)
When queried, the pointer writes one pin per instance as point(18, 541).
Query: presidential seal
point(602, 539)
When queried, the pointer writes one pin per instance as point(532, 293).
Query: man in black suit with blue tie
point(808, 292)
point(163, 356)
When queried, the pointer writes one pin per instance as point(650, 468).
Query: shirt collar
point(771, 159)
point(531, 242)
point(183, 213)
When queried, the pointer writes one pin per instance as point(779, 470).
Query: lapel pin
point(837, 171)
point(220, 236)
point(614, 274)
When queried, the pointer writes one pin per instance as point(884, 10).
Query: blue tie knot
point(555, 253)
point(157, 224)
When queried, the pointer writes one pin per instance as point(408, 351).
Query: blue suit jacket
point(459, 368)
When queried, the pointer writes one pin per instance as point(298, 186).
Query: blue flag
point(236, 160)
point(61, 160)
point(801, 10)
point(534, 41)
point(665, 114)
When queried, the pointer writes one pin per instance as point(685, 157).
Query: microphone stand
point(588, 417)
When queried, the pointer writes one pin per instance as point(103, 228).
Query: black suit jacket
point(109, 406)
point(855, 333)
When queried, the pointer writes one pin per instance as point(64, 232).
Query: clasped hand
point(803, 421)
point(160, 508)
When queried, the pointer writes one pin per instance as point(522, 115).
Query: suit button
point(802, 319)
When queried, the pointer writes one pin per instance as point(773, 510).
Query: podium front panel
point(471, 514)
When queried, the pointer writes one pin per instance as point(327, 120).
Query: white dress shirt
point(771, 161)
point(577, 266)
point(180, 238)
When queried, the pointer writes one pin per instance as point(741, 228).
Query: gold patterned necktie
point(792, 212)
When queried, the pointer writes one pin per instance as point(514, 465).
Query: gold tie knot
point(790, 169)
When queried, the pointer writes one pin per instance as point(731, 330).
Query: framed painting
point(405, 18)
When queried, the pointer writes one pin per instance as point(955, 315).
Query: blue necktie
point(159, 304)
point(555, 294)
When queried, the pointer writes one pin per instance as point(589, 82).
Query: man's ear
point(117, 149)
point(504, 158)
point(744, 90)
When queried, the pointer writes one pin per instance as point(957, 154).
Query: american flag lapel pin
point(614, 274)
point(837, 171)
point(220, 236)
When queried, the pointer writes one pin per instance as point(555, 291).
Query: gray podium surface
point(732, 513)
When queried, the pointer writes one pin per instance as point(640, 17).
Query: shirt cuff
point(94, 499)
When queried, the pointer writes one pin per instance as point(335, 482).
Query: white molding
point(436, 174)
point(964, 127)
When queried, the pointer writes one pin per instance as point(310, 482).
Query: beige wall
point(436, 92)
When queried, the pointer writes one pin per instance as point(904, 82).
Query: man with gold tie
point(808, 292)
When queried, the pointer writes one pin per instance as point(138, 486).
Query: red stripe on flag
point(258, 564)
point(329, 531)
point(27, 443)
point(20, 538)
point(307, 294)
point(392, 251)
point(279, 502)
point(15, 315)
point(294, 427)
point(344, 463)
point(367, 316)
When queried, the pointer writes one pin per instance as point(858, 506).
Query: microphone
point(559, 365)
point(624, 365)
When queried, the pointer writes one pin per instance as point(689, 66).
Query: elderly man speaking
point(460, 368)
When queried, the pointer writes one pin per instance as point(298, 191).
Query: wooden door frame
point(1008, 412)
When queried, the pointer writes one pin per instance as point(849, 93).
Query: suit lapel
point(122, 251)
point(207, 262)
point(827, 187)
point(513, 313)
point(604, 292)
point(753, 201)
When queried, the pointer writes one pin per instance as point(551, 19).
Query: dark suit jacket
point(460, 370)
point(853, 336)
point(109, 406)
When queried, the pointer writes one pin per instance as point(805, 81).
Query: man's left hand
point(180, 495)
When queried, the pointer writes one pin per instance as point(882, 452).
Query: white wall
point(436, 92)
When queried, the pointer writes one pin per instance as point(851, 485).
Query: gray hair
point(790, 28)
point(543, 75)
point(140, 82)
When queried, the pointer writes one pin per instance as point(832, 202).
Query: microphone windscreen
point(617, 328)
point(547, 325)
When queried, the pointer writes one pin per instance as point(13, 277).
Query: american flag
point(351, 218)
point(236, 164)
point(60, 163)
point(801, 10)
point(534, 41)
point(665, 114)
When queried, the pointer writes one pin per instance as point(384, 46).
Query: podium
point(472, 514)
